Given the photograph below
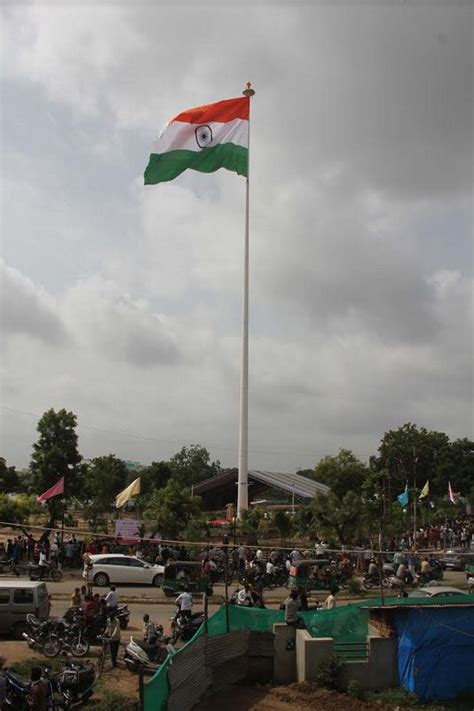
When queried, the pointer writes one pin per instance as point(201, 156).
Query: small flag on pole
point(451, 494)
point(425, 490)
point(403, 498)
point(55, 490)
point(132, 490)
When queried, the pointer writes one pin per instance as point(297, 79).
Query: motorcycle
point(44, 572)
point(123, 616)
point(40, 635)
point(9, 567)
point(393, 582)
point(183, 627)
point(73, 687)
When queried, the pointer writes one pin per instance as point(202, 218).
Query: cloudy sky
point(123, 304)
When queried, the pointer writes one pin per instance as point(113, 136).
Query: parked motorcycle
point(44, 572)
point(143, 656)
point(183, 627)
point(123, 616)
point(39, 634)
point(9, 567)
point(73, 687)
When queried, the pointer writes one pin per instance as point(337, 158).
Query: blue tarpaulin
point(436, 651)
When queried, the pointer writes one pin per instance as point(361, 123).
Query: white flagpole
point(242, 488)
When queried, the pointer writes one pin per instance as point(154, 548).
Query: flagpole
point(242, 488)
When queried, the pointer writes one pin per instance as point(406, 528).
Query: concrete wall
point(379, 671)
point(284, 661)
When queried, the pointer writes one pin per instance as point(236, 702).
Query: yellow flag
point(132, 490)
point(425, 490)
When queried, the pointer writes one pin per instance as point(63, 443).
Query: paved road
point(151, 594)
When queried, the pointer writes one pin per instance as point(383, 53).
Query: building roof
point(295, 484)
point(392, 603)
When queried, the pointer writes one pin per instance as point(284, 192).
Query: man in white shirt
point(295, 556)
point(330, 602)
point(185, 604)
point(270, 570)
point(111, 599)
point(43, 563)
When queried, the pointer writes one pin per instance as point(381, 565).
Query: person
point(292, 607)
point(330, 602)
point(149, 630)
point(83, 593)
point(37, 698)
point(401, 572)
point(185, 604)
point(373, 571)
point(244, 596)
point(89, 608)
point(43, 562)
point(111, 599)
point(270, 569)
point(112, 634)
point(425, 567)
point(76, 598)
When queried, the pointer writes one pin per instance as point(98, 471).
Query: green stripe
point(167, 166)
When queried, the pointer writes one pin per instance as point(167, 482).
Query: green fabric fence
point(343, 624)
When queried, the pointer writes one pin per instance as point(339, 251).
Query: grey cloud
point(27, 309)
point(118, 326)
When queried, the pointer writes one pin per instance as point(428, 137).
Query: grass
point(401, 697)
point(24, 667)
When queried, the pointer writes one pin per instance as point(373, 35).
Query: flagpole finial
point(248, 91)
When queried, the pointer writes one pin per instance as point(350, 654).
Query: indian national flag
point(205, 138)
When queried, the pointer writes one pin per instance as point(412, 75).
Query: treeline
point(363, 496)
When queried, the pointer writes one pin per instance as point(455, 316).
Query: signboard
point(127, 528)
point(128, 531)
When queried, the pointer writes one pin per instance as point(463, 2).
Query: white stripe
point(182, 136)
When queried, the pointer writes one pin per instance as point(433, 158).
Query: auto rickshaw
point(316, 574)
point(185, 575)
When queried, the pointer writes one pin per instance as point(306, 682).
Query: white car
point(110, 568)
point(438, 591)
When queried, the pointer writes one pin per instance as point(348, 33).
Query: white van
point(19, 598)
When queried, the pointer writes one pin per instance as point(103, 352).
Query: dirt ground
point(297, 697)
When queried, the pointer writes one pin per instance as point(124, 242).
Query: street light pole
point(225, 541)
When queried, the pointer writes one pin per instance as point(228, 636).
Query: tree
point(9, 480)
point(283, 523)
point(16, 509)
point(412, 454)
point(192, 464)
point(172, 508)
point(342, 473)
point(56, 455)
point(105, 477)
point(337, 516)
point(155, 476)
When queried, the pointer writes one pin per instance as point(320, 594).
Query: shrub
point(113, 700)
point(354, 586)
point(355, 689)
point(329, 673)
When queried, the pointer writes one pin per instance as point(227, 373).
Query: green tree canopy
point(9, 480)
point(339, 517)
point(342, 473)
point(192, 464)
point(415, 454)
point(155, 476)
point(283, 523)
point(56, 455)
point(105, 477)
point(172, 508)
